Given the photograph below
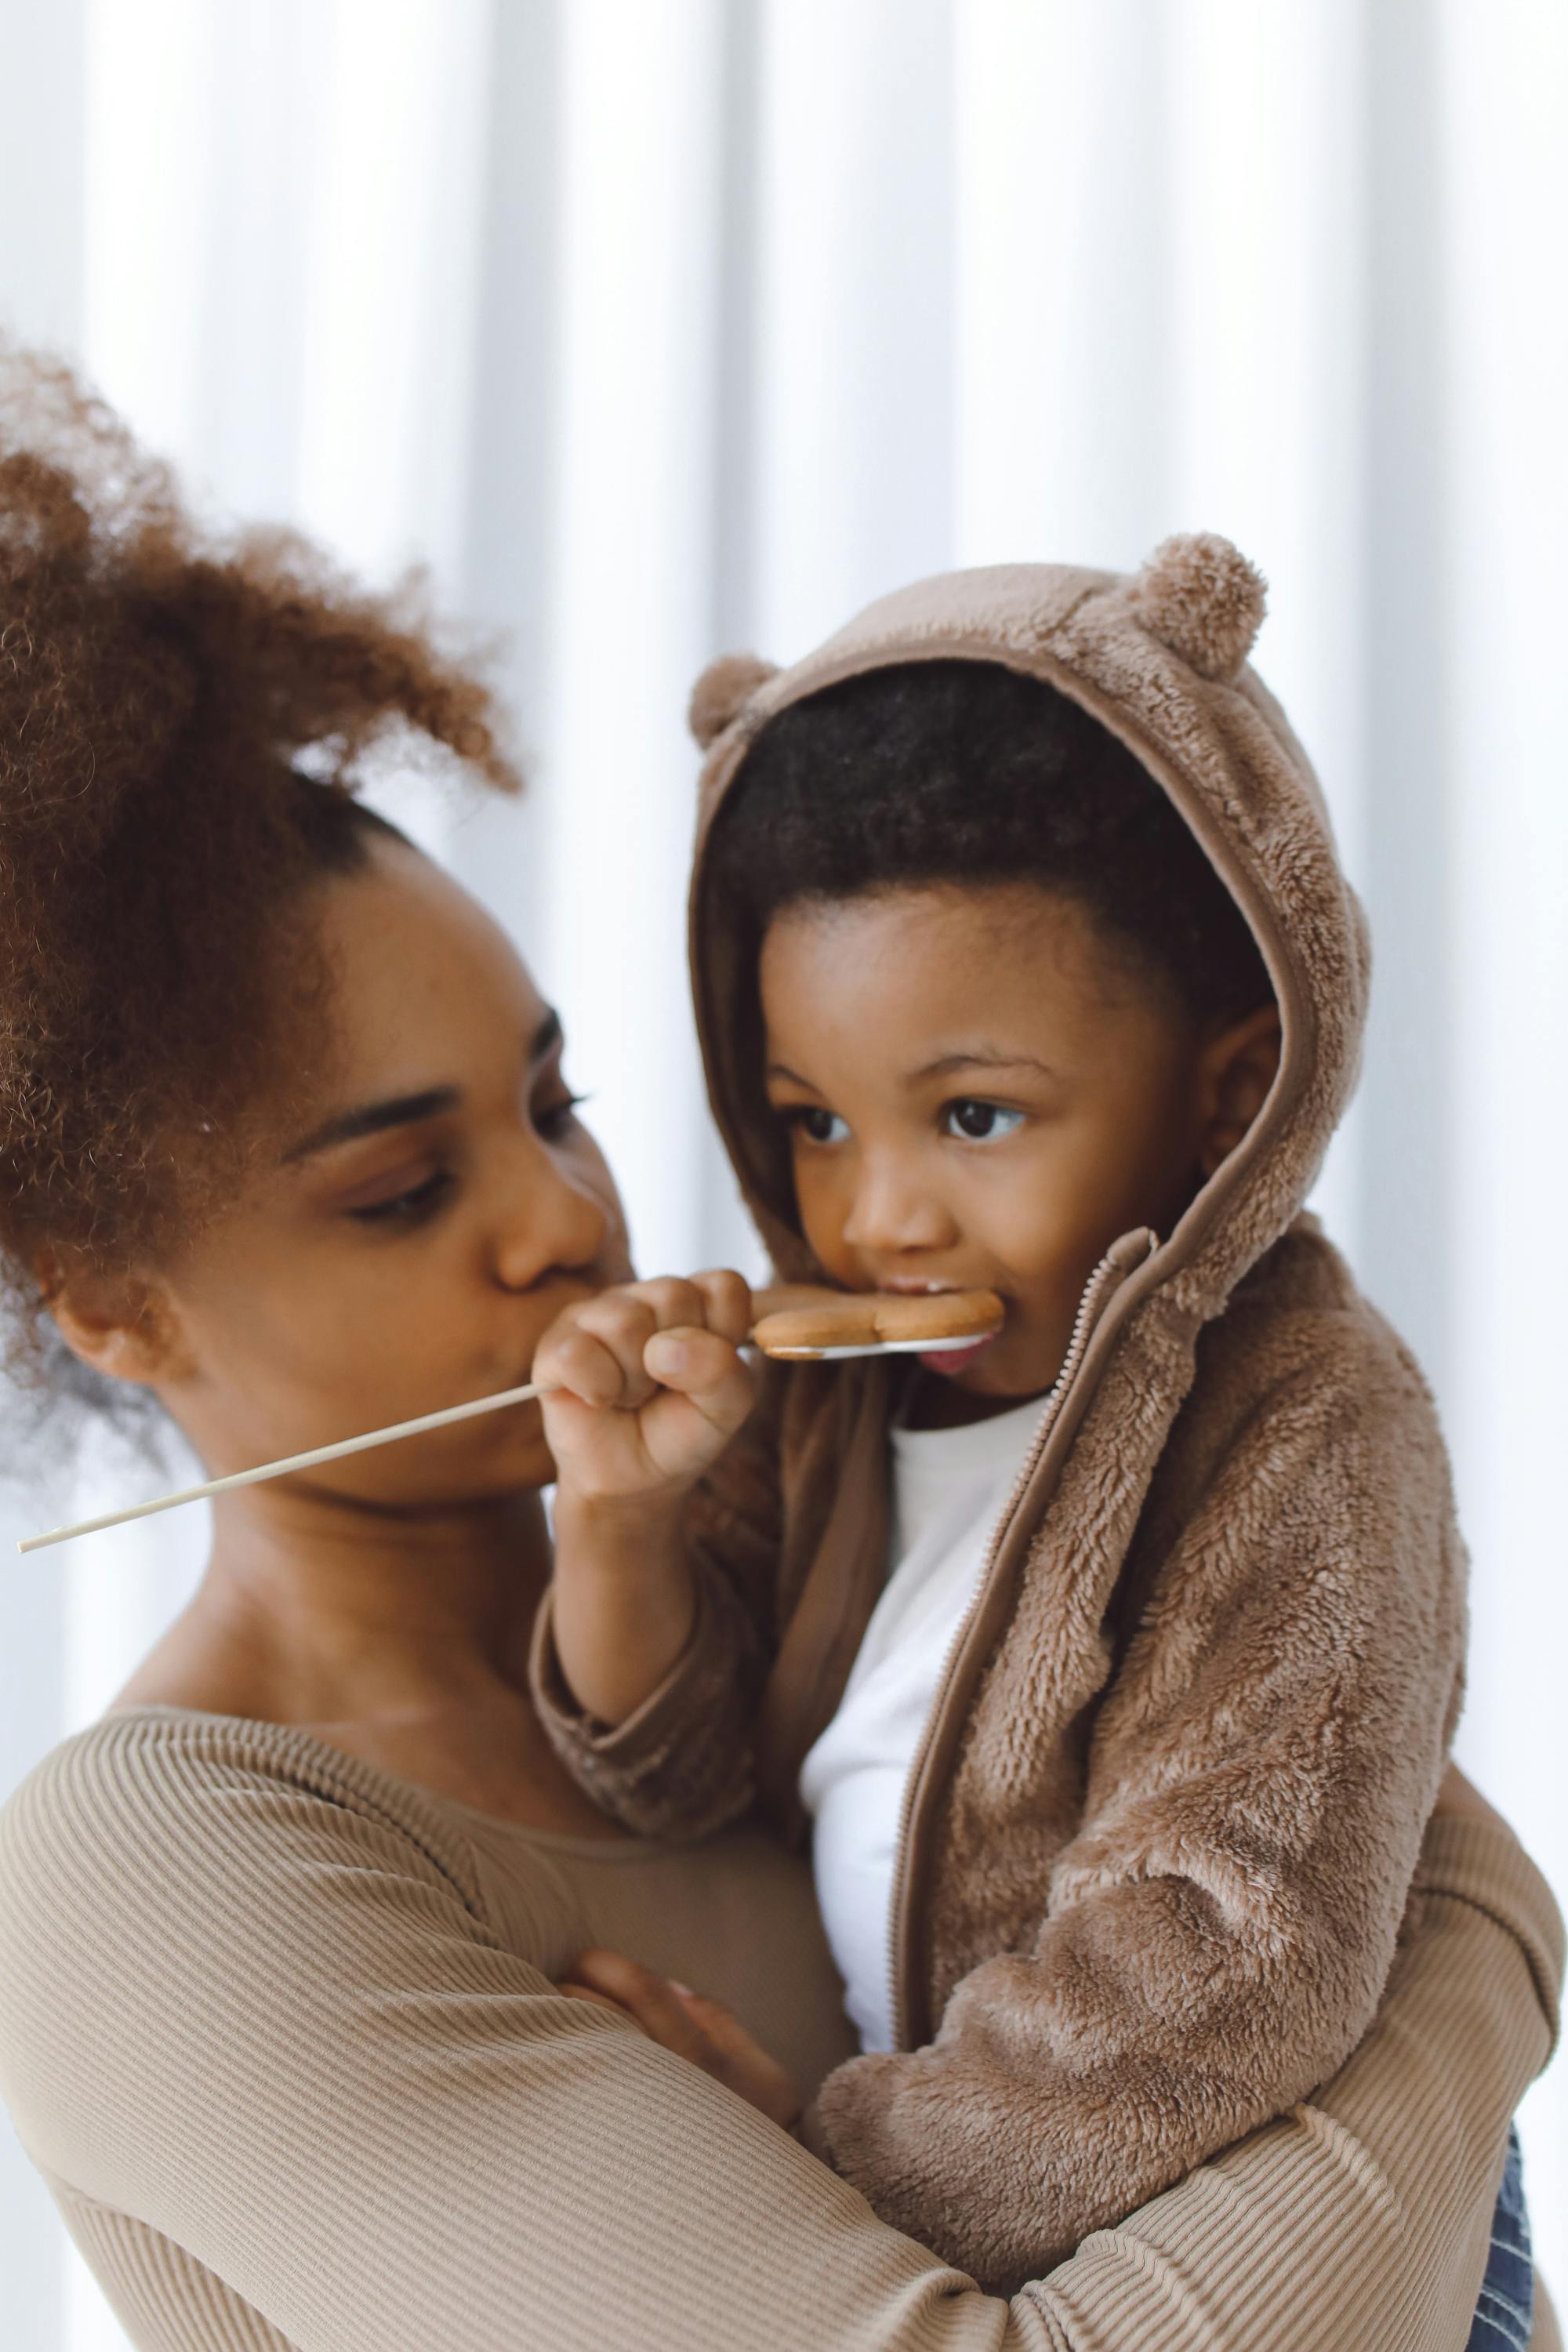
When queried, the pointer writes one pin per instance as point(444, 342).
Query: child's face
point(980, 1094)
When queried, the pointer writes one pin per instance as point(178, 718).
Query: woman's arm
point(263, 2012)
point(1362, 2216)
point(270, 2021)
point(1198, 2260)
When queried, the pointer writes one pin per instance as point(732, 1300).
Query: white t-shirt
point(949, 1489)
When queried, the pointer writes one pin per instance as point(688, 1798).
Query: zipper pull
point(1133, 1249)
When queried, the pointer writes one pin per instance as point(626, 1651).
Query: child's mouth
point(951, 1360)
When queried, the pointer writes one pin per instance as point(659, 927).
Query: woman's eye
point(408, 1208)
point(553, 1120)
point(981, 1122)
point(816, 1125)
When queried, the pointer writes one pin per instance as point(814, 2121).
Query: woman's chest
point(734, 1918)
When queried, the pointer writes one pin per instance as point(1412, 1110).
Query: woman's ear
point(117, 1324)
point(1238, 1066)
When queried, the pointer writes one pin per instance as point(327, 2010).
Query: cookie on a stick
point(859, 1323)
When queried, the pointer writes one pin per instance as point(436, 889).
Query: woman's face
point(404, 1244)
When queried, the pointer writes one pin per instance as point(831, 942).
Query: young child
point(1114, 1660)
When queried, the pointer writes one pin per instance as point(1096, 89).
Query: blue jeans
point(1503, 2314)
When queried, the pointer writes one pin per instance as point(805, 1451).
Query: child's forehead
point(945, 931)
point(956, 964)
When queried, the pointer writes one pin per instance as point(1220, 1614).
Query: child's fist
point(649, 1385)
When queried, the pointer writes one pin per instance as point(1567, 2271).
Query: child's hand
point(700, 2031)
point(650, 1386)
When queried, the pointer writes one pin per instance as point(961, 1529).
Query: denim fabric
point(1502, 2317)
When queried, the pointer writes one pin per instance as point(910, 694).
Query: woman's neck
point(402, 1640)
point(368, 1607)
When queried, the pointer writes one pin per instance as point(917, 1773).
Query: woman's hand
point(650, 1386)
point(700, 2031)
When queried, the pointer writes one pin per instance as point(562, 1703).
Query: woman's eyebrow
point(371, 1118)
point(406, 1111)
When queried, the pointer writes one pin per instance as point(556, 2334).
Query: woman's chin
point(525, 1465)
point(498, 1453)
point(519, 1465)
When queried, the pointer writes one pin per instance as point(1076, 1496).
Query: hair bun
point(184, 714)
point(1200, 596)
point(722, 692)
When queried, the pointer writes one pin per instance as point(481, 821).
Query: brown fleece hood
point(1160, 660)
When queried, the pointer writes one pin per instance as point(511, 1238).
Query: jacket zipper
point(1084, 1321)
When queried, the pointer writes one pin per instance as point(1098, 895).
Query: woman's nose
point(893, 1211)
point(552, 1218)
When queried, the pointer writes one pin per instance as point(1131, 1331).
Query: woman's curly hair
point(183, 718)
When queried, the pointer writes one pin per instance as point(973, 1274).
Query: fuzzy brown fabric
point(1164, 1825)
point(722, 691)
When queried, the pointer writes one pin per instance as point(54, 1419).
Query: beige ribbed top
point(280, 2033)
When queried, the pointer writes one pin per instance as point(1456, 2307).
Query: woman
point(289, 1148)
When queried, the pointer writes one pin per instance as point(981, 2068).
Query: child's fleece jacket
point(1161, 1831)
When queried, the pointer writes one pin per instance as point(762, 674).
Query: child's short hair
point(967, 771)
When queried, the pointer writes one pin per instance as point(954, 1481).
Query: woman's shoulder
point(152, 1755)
point(220, 1941)
point(172, 1882)
point(188, 1802)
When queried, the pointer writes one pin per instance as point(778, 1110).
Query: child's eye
point(980, 1123)
point(552, 1120)
point(410, 1208)
point(816, 1125)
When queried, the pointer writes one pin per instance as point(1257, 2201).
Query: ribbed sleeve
point(1293, 2238)
point(164, 2295)
point(294, 2087)
point(254, 2005)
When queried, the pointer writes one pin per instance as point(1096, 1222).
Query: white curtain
point(658, 327)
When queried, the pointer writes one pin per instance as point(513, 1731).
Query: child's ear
point(117, 1324)
point(1237, 1068)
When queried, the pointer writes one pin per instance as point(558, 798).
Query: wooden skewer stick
point(280, 1469)
point(809, 1326)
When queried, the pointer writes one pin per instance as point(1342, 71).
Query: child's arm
point(647, 1654)
point(650, 1388)
point(1214, 1941)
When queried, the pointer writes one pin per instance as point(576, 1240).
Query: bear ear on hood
point(722, 692)
point(1201, 598)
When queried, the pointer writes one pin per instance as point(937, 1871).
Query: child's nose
point(893, 1211)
